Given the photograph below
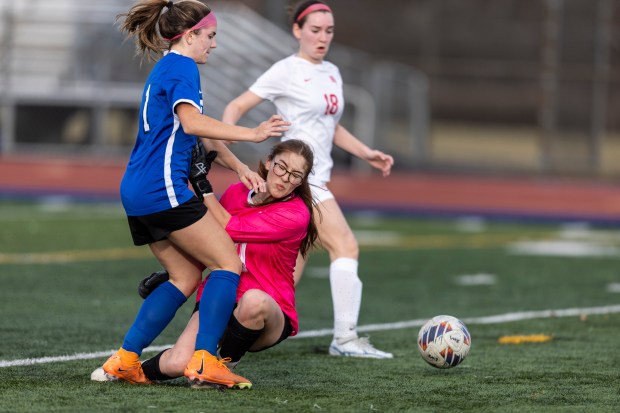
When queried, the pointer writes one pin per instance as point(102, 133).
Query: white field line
point(493, 319)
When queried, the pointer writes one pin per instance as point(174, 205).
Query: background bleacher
point(525, 87)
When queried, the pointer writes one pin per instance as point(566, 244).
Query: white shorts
point(320, 193)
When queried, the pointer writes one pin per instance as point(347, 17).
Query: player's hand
point(151, 282)
point(274, 127)
point(200, 167)
point(380, 161)
point(251, 179)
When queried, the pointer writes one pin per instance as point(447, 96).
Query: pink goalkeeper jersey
point(268, 239)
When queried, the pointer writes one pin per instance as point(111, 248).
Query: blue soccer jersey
point(156, 178)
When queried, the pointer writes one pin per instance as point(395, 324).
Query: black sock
point(237, 339)
point(152, 371)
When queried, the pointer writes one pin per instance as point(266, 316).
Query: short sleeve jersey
point(156, 178)
point(310, 97)
point(268, 239)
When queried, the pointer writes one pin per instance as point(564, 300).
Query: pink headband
point(311, 9)
point(208, 21)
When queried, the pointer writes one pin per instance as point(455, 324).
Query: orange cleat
point(125, 365)
point(205, 370)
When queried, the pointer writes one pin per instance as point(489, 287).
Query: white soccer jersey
point(310, 97)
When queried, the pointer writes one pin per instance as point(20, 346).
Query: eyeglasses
point(293, 177)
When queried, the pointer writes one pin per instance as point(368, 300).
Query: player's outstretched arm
point(349, 143)
point(239, 106)
point(197, 124)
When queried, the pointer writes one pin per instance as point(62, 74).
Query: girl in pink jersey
point(307, 90)
point(270, 229)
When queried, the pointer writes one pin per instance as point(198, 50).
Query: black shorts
point(147, 229)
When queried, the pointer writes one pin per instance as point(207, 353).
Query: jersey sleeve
point(185, 85)
point(270, 85)
point(234, 198)
point(269, 225)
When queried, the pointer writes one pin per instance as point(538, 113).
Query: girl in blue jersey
point(162, 211)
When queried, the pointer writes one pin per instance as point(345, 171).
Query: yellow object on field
point(532, 338)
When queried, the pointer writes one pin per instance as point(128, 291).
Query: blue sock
point(156, 312)
point(216, 305)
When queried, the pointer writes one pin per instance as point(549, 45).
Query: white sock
point(346, 296)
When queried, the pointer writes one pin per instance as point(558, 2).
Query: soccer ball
point(444, 341)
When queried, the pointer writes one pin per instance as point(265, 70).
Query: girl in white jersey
point(307, 91)
point(161, 210)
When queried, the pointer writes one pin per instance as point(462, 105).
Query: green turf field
point(68, 278)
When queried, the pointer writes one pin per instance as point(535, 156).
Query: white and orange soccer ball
point(444, 341)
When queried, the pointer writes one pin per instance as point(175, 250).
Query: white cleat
point(357, 347)
point(99, 375)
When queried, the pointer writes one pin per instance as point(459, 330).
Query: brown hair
point(151, 25)
point(302, 190)
point(299, 8)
